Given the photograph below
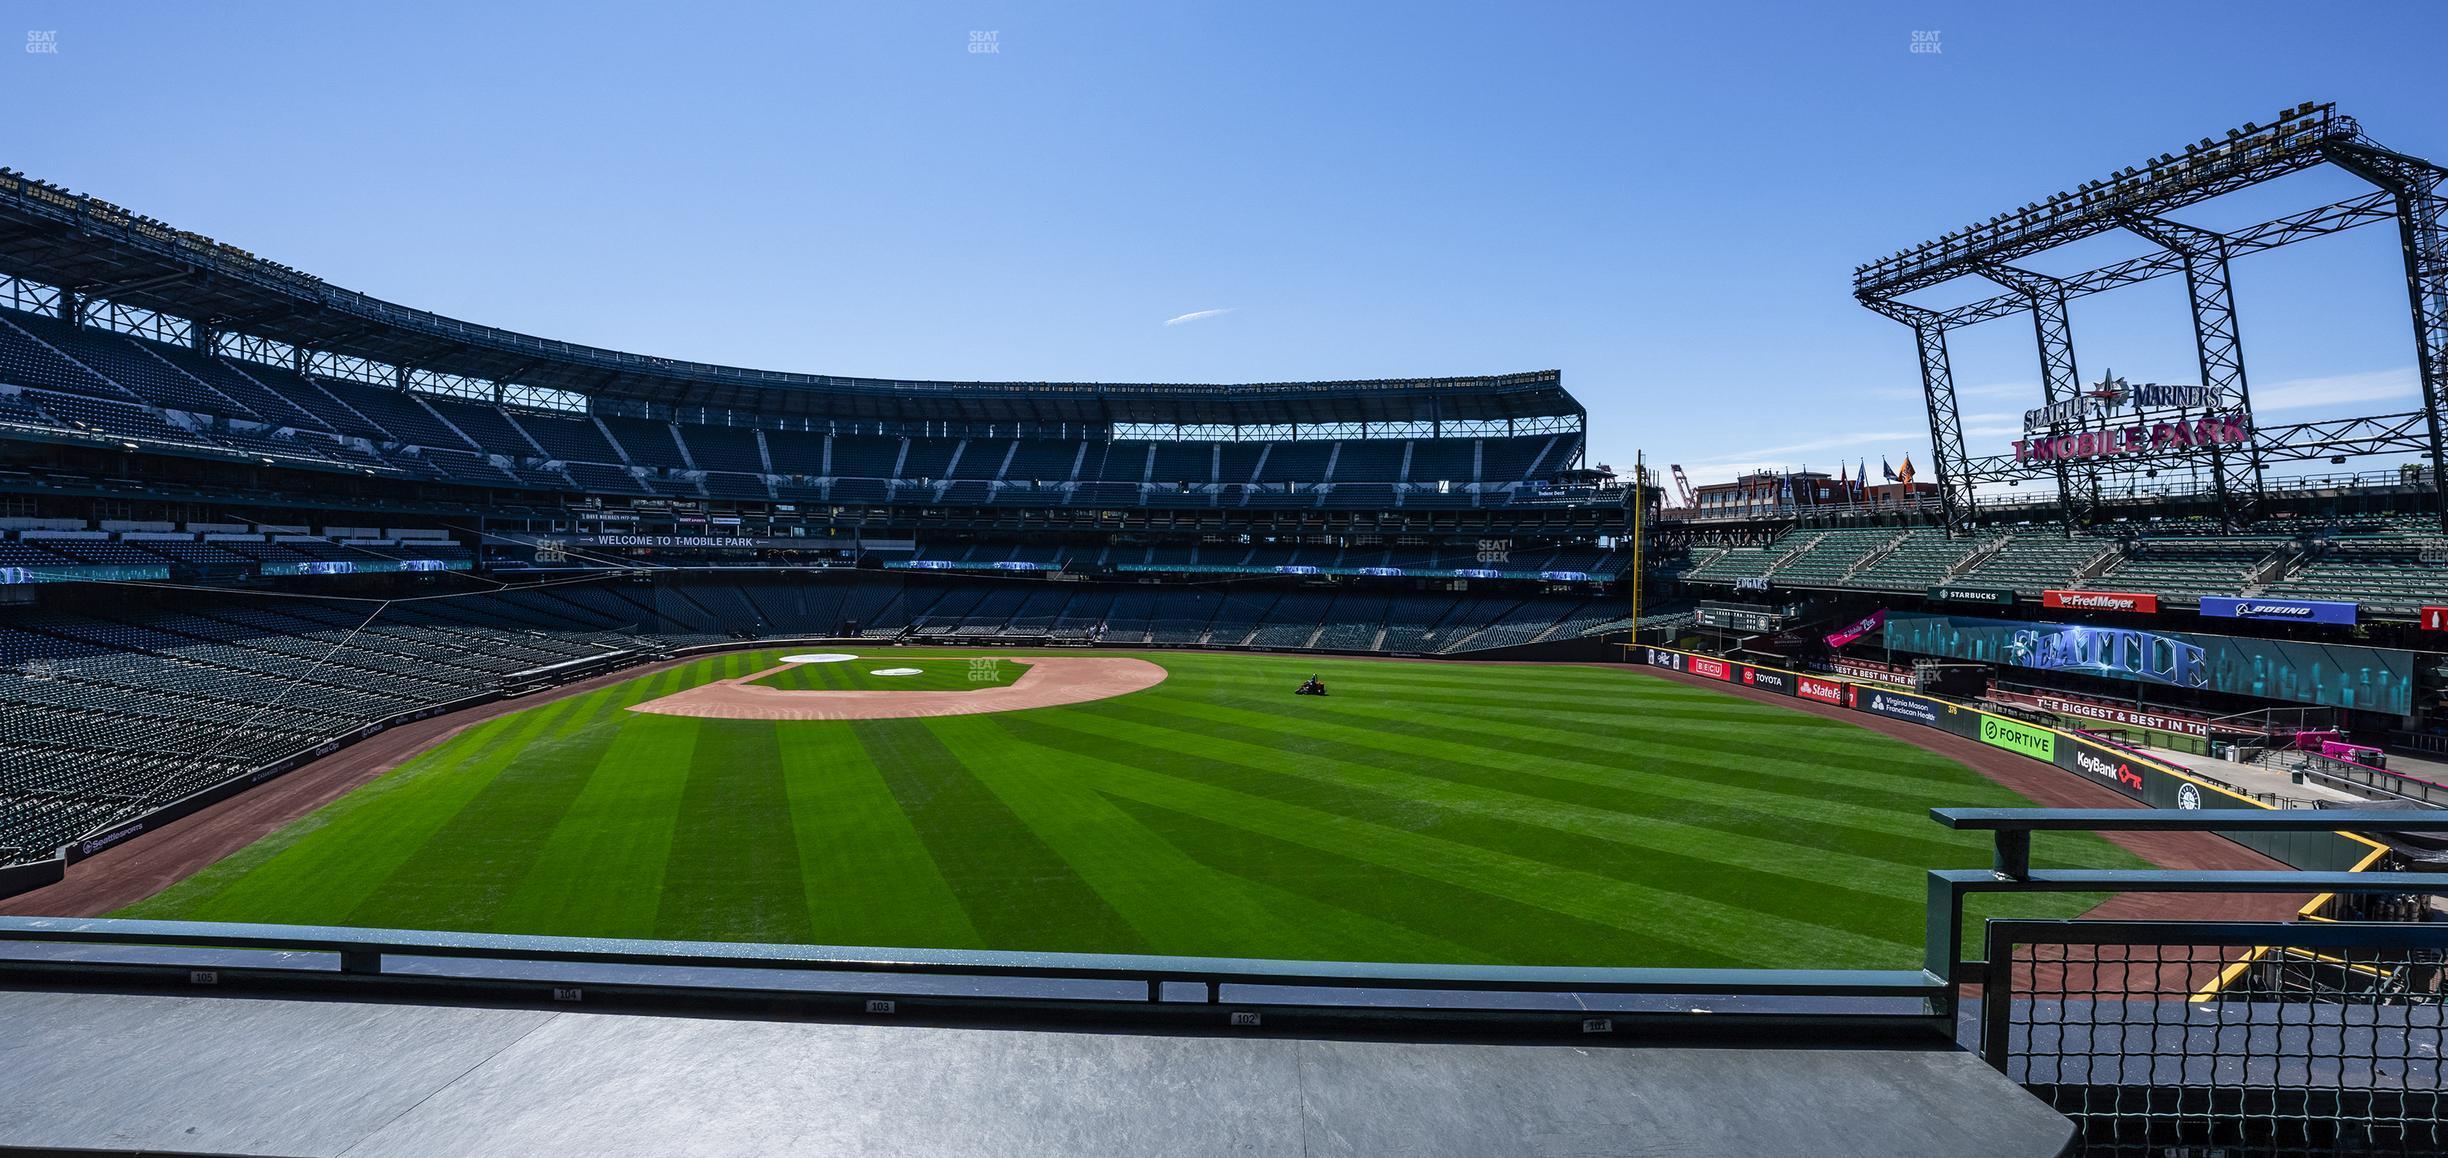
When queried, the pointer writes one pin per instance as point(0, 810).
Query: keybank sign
point(2121, 774)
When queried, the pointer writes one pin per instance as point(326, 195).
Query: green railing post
point(2013, 859)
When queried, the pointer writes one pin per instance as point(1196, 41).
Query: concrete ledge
point(209, 1074)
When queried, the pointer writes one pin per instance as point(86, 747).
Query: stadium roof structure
point(97, 251)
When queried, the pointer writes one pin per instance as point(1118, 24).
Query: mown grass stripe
point(869, 879)
point(1495, 929)
point(1146, 879)
point(1019, 894)
point(617, 833)
point(459, 875)
point(1786, 827)
point(324, 865)
point(1797, 896)
point(1700, 936)
point(1772, 832)
point(733, 870)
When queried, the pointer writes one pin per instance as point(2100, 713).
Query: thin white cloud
point(2340, 389)
point(1985, 390)
point(1199, 315)
point(1723, 468)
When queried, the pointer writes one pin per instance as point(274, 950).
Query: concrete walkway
point(233, 1075)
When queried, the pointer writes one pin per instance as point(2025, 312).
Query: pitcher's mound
point(1049, 681)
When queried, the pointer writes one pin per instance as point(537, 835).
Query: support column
point(2077, 489)
point(2422, 231)
point(1947, 458)
point(2220, 345)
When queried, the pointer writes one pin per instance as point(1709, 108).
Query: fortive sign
point(2037, 743)
point(2100, 601)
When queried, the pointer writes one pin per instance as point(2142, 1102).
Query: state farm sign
point(2100, 601)
point(1824, 691)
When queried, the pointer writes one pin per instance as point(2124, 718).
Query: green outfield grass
point(937, 673)
point(1423, 812)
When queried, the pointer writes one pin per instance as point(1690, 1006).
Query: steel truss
point(2219, 346)
point(2136, 200)
point(2060, 381)
point(1938, 394)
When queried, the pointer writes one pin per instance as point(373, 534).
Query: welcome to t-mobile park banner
point(1853, 631)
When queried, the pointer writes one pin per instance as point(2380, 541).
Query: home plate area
point(1049, 681)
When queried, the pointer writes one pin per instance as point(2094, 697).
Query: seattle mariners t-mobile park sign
point(2101, 404)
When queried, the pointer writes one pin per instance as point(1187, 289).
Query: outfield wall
point(2138, 778)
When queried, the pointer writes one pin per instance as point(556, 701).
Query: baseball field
point(1422, 812)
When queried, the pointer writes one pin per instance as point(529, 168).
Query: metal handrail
point(2363, 821)
point(363, 953)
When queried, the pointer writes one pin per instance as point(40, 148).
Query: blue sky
point(1664, 203)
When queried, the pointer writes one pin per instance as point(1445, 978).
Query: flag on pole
point(1864, 480)
point(1905, 476)
point(1886, 469)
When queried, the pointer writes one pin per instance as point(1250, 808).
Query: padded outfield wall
point(2138, 778)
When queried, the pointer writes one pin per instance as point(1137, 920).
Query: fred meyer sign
point(2291, 610)
point(2100, 601)
point(1993, 596)
point(1999, 732)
